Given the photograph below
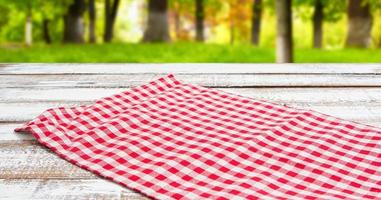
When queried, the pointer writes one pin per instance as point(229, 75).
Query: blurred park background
point(188, 30)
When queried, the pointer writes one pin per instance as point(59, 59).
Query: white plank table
point(30, 171)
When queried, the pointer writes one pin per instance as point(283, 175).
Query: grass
point(176, 52)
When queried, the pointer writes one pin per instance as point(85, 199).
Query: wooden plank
point(55, 94)
point(285, 95)
point(362, 114)
point(41, 189)
point(7, 135)
point(220, 68)
point(369, 114)
point(362, 105)
point(20, 112)
point(29, 160)
point(211, 80)
point(23, 104)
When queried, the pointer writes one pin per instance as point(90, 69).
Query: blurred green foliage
point(176, 52)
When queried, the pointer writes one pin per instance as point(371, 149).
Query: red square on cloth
point(173, 140)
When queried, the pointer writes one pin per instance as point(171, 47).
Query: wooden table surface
point(30, 171)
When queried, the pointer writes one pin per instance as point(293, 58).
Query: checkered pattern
point(172, 140)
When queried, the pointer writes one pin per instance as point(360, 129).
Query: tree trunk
point(157, 26)
point(177, 25)
point(46, 32)
point(256, 22)
point(359, 24)
point(29, 27)
point(110, 16)
point(284, 49)
point(92, 17)
point(73, 22)
point(200, 20)
point(318, 24)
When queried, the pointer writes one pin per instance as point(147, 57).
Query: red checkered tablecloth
point(172, 140)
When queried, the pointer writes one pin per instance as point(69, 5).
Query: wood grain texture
point(30, 160)
point(287, 95)
point(209, 80)
point(31, 171)
point(368, 114)
point(361, 105)
point(8, 136)
point(52, 189)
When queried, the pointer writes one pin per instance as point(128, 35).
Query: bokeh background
point(186, 30)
